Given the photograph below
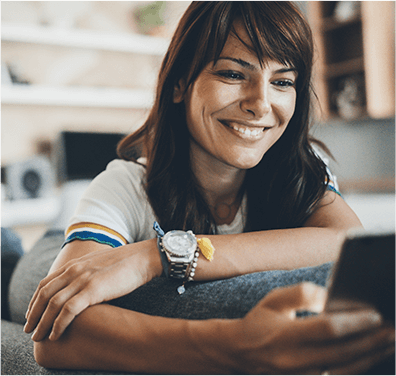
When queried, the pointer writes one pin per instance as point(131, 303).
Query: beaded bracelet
point(191, 273)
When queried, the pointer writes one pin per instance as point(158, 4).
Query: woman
point(227, 156)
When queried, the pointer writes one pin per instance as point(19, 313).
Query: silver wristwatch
point(179, 247)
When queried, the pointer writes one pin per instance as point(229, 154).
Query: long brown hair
point(283, 189)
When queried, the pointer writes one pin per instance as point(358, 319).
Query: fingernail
point(375, 317)
point(26, 314)
point(25, 328)
point(34, 335)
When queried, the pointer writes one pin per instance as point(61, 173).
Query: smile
point(245, 130)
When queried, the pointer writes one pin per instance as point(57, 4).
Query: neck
point(221, 186)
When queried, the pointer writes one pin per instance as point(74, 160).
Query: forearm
point(269, 250)
point(105, 337)
point(319, 241)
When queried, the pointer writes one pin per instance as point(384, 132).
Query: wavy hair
point(286, 185)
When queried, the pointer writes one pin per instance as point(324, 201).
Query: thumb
point(288, 300)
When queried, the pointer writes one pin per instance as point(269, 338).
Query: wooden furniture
point(355, 62)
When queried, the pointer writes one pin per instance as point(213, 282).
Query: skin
point(236, 92)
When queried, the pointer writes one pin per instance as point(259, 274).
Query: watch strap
point(164, 259)
point(178, 270)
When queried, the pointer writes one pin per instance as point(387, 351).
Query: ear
point(178, 91)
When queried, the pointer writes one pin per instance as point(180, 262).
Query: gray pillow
point(230, 298)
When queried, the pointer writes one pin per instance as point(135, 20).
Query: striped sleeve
point(332, 184)
point(97, 233)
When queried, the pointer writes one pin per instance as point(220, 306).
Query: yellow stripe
point(93, 225)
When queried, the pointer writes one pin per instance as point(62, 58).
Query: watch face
point(179, 243)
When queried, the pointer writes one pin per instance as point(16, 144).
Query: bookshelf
point(354, 76)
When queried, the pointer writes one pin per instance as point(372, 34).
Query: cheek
point(289, 106)
point(207, 99)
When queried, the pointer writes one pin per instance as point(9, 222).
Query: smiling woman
point(249, 72)
point(227, 156)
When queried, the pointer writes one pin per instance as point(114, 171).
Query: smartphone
point(365, 274)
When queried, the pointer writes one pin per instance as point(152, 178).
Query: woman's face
point(236, 109)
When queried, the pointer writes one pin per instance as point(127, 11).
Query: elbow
point(47, 353)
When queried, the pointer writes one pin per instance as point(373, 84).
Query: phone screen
point(365, 274)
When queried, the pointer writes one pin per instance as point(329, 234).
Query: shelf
point(88, 39)
point(40, 95)
point(345, 68)
point(330, 23)
point(362, 46)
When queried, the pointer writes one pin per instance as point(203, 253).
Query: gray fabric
point(11, 252)
point(229, 298)
point(29, 271)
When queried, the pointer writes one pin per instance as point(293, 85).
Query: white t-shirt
point(115, 210)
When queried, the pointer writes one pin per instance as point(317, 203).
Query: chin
point(246, 163)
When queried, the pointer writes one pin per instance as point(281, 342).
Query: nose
point(256, 100)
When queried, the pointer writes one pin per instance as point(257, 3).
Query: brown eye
point(231, 75)
point(283, 83)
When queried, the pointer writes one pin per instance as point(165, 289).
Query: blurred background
point(78, 75)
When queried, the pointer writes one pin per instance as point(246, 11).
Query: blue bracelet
point(164, 259)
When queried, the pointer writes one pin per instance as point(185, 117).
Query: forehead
point(239, 39)
point(239, 42)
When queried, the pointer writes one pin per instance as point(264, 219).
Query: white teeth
point(247, 131)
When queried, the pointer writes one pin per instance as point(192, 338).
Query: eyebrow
point(252, 67)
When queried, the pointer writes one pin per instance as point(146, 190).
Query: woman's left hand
point(96, 277)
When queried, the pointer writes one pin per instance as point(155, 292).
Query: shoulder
point(125, 168)
point(120, 174)
point(116, 199)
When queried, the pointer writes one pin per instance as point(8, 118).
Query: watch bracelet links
point(189, 277)
point(177, 270)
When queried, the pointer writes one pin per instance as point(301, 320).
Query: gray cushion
point(229, 298)
point(30, 270)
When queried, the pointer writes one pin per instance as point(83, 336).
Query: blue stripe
point(331, 188)
point(88, 235)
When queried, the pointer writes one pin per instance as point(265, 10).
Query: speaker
point(33, 178)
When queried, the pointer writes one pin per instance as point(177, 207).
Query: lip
point(244, 123)
point(245, 129)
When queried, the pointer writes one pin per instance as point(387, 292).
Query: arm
point(268, 340)
point(104, 273)
point(317, 242)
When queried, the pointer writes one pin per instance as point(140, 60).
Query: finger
point(42, 284)
point(365, 363)
point(41, 302)
point(69, 311)
point(335, 353)
point(54, 307)
point(304, 296)
point(333, 326)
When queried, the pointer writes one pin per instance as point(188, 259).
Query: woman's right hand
point(271, 340)
point(98, 276)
